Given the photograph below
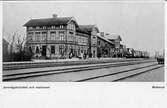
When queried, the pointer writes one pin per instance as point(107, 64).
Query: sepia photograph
point(83, 41)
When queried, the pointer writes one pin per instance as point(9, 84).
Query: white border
point(84, 95)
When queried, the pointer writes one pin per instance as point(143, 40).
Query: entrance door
point(94, 53)
point(44, 50)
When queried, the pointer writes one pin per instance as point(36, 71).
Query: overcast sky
point(141, 25)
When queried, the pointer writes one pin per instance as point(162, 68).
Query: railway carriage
point(160, 60)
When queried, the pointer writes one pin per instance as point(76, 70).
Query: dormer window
point(30, 28)
point(53, 27)
point(44, 27)
point(61, 26)
point(72, 27)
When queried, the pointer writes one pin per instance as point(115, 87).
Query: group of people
point(81, 56)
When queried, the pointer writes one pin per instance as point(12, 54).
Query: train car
point(160, 60)
point(129, 53)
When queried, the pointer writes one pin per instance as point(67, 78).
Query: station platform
point(64, 60)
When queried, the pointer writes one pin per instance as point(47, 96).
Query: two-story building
point(105, 47)
point(58, 37)
point(62, 37)
point(92, 39)
point(52, 37)
point(116, 39)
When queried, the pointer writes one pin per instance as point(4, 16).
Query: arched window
point(37, 49)
point(30, 49)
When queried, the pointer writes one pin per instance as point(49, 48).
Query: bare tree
point(12, 46)
point(18, 51)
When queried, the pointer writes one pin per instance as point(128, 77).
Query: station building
point(116, 39)
point(60, 37)
point(93, 31)
point(105, 48)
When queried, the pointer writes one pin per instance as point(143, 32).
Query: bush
point(25, 55)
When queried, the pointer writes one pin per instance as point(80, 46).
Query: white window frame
point(52, 35)
point(44, 36)
point(37, 36)
point(61, 36)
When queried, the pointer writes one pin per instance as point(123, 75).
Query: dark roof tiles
point(82, 30)
point(48, 21)
point(88, 28)
point(105, 39)
point(113, 37)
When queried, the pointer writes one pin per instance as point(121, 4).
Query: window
point(61, 49)
point(52, 35)
point(44, 34)
point(76, 39)
point(30, 28)
point(53, 27)
point(79, 40)
point(37, 36)
point(30, 49)
point(86, 40)
point(71, 37)
point(62, 36)
point(37, 49)
point(98, 42)
point(71, 26)
point(57, 36)
point(61, 26)
point(30, 36)
point(37, 27)
point(52, 49)
point(71, 49)
point(78, 51)
point(44, 27)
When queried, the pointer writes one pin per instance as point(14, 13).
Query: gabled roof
point(105, 39)
point(78, 29)
point(48, 21)
point(88, 28)
point(113, 37)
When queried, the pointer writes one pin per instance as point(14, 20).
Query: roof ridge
point(48, 18)
point(48, 21)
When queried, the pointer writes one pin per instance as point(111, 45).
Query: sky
point(140, 24)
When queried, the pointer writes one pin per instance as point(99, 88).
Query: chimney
point(54, 15)
point(102, 34)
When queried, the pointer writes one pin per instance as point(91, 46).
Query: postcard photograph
point(98, 41)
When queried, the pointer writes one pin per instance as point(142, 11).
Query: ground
point(156, 75)
point(152, 76)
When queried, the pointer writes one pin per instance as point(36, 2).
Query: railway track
point(26, 65)
point(16, 76)
point(120, 75)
